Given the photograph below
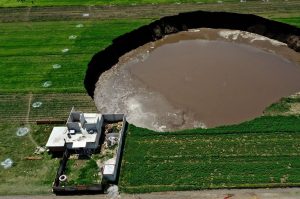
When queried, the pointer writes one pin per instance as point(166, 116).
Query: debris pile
point(113, 128)
point(112, 133)
point(113, 192)
point(39, 150)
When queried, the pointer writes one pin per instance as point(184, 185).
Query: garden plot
point(261, 153)
point(81, 171)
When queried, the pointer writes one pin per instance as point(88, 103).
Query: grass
point(25, 3)
point(82, 172)
point(265, 155)
point(284, 106)
point(55, 106)
point(28, 51)
point(32, 176)
point(289, 20)
point(7, 3)
point(26, 176)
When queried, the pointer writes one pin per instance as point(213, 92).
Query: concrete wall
point(113, 117)
point(106, 58)
point(120, 149)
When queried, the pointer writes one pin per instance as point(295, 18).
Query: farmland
point(28, 54)
point(26, 176)
point(261, 156)
point(26, 61)
point(31, 44)
point(6, 3)
point(263, 152)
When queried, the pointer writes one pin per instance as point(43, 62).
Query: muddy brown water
point(207, 77)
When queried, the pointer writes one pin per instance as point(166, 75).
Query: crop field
point(7, 3)
point(44, 52)
point(28, 54)
point(264, 155)
point(263, 152)
point(18, 108)
point(26, 176)
point(29, 51)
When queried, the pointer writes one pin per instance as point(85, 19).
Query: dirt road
point(288, 193)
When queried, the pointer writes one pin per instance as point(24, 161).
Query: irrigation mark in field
point(56, 66)
point(7, 163)
point(29, 107)
point(27, 119)
point(65, 50)
point(79, 25)
point(47, 84)
point(22, 131)
point(72, 36)
point(37, 104)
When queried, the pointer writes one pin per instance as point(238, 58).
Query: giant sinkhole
point(198, 69)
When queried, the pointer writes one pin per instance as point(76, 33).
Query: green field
point(28, 51)
point(261, 153)
point(26, 176)
point(295, 21)
point(8, 3)
point(27, 54)
point(82, 172)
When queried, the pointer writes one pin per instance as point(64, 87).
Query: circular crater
point(199, 78)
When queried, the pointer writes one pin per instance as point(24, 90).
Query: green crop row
point(290, 20)
point(260, 153)
point(18, 3)
point(28, 52)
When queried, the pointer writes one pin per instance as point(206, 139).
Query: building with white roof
point(82, 131)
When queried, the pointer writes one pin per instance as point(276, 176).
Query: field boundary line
point(27, 119)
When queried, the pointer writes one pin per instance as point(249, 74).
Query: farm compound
point(92, 146)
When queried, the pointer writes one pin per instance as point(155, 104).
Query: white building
point(82, 131)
